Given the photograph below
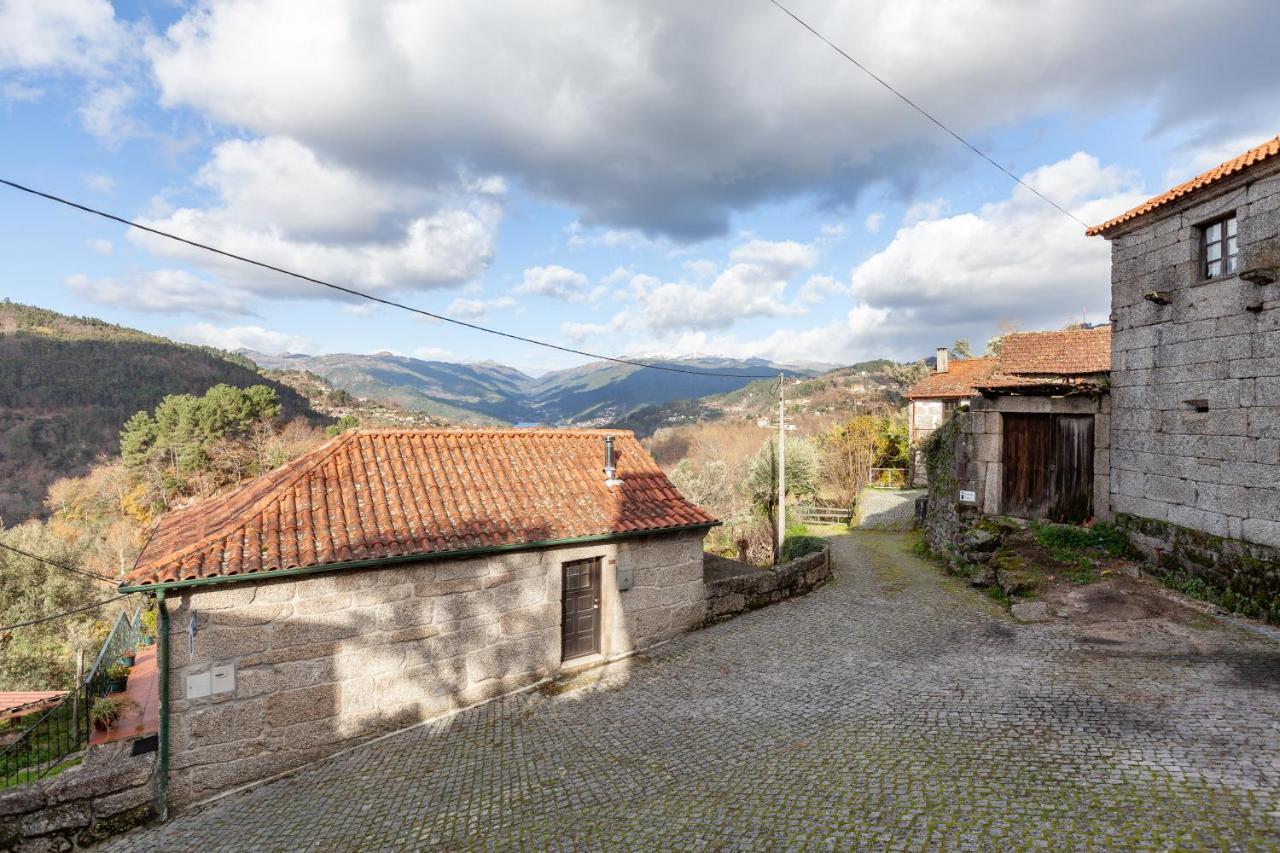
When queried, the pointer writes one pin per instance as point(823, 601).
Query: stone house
point(1038, 431)
point(1195, 382)
point(388, 577)
point(934, 399)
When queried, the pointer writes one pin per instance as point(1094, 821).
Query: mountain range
point(598, 393)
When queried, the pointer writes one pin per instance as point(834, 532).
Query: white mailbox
point(223, 678)
point(198, 685)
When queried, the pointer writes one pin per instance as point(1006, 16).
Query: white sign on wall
point(968, 497)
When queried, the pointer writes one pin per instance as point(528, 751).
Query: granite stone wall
point(730, 596)
point(1215, 346)
point(326, 661)
point(982, 471)
point(109, 792)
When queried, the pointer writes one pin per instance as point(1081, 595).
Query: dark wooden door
point(1048, 467)
point(580, 609)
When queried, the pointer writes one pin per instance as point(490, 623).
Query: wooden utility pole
point(75, 696)
point(782, 469)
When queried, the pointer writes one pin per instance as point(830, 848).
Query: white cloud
point(701, 269)
point(434, 354)
point(921, 211)
point(874, 221)
point(102, 247)
point(15, 92)
point(100, 182)
point(475, 309)
point(80, 35)
point(1013, 259)
point(584, 112)
point(245, 337)
point(281, 203)
point(753, 285)
point(557, 282)
point(105, 114)
point(819, 287)
point(165, 291)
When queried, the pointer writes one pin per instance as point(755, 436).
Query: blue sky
point(641, 180)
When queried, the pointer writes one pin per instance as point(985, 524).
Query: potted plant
point(117, 678)
point(107, 710)
point(148, 626)
point(127, 658)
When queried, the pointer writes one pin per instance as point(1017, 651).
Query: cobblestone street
point(894, 708)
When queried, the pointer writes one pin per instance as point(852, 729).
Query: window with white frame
point(1221, 249)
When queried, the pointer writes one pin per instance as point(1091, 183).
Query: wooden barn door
point(1048, 467)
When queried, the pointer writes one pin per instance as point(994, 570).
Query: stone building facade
point(1033, 440)
point(982, 433)
point(329, 660)
point(389, 577)
point(1195, 381)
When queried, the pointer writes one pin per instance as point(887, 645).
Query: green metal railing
point(63, 730)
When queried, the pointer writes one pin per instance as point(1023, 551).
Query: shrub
point(148, 623)
point(108, 709)
point(795, 547)
point(117, 672)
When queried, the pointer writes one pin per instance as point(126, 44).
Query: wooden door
point(1048, 467)
point(580, 609)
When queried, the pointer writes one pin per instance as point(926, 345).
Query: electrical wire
point(63, 566)
point(966, 143)
point(64, 614)
point(369, 296)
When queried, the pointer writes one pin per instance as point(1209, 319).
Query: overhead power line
point(56, 564)
point(62, 615)
point(966, 143)
point(369, 296)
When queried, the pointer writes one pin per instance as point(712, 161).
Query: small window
point(1221, 251)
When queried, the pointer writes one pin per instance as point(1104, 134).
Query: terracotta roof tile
point(958, 381)
point(1266, 150)
point(375, 494)
point(1069, 351)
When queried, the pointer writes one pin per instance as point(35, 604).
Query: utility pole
point(782, 469)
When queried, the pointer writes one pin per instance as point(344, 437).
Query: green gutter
point(398, 560)
point(163, 641)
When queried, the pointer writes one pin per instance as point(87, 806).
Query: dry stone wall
point(732, 595)
point(1215, 346)
point(325, 661)
point(111, 791)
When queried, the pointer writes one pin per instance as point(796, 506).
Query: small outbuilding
point(388, 577)
point(1035, 441)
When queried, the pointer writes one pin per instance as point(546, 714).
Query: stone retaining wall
point(730, 596)
point(110, 792)
point(325, 661)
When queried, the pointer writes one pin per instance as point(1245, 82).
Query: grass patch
point(995, 593)
point(1082, 547)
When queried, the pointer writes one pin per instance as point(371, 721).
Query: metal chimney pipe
point(610, 463)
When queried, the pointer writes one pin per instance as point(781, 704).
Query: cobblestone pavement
point(894, 708)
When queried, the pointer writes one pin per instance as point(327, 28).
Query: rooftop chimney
point(942, 366)
point(610, 463)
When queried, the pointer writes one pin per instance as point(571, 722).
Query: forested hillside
point(68, 384)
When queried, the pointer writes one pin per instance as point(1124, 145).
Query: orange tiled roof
point(1268, 149)
point(22, 702)
point(369, 495)
point(1069, 351)
point(958, 381)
